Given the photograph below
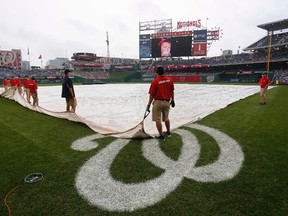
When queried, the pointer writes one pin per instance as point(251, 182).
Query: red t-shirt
point(33, 86)
point(13, 82)
point(5, 82)
point(264, 81)
point(18, 82)
point(162, 88)
point(26, 83)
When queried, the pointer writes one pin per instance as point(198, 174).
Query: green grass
point(33, 142)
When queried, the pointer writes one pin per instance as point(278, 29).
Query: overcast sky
point(56, 28)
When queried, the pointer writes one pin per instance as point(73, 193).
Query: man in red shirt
point(19, 84)
point(13, 83)
point(162, 95)
point(33, 91)
point(26, 87)
point(264, 82)
point(5, 84)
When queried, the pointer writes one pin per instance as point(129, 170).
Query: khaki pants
point(262, 91)
point(35, 98)
point(19, 89)
point(27, 91)
point(160, 108)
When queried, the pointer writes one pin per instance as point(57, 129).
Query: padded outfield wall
point(230, 77)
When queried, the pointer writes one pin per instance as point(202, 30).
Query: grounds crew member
point(33, 91)
point(264, 82)
point(162, 95)
point(68, 91)
point(5, 84)
point(26, 88)
point(13, 84)
point(19, 84)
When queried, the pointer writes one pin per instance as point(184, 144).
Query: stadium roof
point(275, 26)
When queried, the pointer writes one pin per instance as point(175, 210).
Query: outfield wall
point(186, 78)
point(189, 79)
point(230, 77)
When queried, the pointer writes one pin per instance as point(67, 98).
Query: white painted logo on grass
point(96, 184)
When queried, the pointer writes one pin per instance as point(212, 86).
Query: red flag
point(40, 57)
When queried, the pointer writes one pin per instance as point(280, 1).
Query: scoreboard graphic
point(158, 39)
point(10, 58)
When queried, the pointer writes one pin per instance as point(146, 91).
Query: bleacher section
point(277, 40)
point(231, 68)
point(6, 73)
point(235, 67)
point(281, 77)
point(92, 74)
point(239, 59)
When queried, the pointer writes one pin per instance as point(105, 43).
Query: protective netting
point(117, 109)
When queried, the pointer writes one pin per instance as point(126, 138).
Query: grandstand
point(242, 67)
point(94, 68)
point(277, 40)
point(89, 66)
point(6, 72)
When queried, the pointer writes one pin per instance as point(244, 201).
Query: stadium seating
point(92, 74)
point(281, 76)
point(98, 69)
point(6, 73)
point(242, 58)
point(277, 40)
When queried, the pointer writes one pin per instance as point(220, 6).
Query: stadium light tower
point(107, 42)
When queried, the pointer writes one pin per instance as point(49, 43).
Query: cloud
point(77, 26)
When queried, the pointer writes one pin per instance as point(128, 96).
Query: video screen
point(171, 47)
point(145, 46)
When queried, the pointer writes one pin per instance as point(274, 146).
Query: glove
point(148, 108)
point(172, 104)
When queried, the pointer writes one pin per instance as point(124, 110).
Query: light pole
point(28, 53)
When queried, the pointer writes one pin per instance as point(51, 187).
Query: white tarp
point(114, 108)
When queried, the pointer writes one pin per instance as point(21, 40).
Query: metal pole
point(270, 33)
point(29, 68)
